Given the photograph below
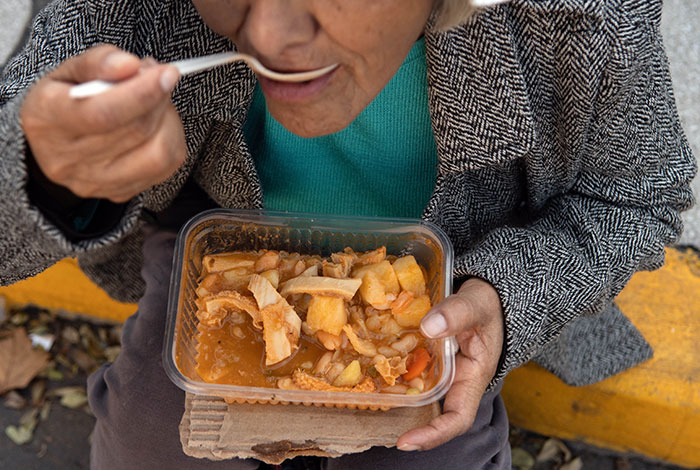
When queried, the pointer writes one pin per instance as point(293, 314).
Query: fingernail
point(408, 447)
point(168, 79)
point(434, 325)
point(117, 59)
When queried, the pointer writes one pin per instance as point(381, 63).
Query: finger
point(102, 62)
point(98, 151)
point(133, 134)
point(459, 410)
point(151, 163)
point(117, 106)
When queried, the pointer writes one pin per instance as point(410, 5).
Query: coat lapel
point(478, 100)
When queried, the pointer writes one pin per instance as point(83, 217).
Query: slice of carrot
point(416, 363)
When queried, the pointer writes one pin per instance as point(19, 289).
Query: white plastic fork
point(198, 64)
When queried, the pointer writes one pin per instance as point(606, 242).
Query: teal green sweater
point(382, 164)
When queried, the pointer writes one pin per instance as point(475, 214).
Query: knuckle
point(465, 302)
point(54, 170)
point(104, 119)
point(120, 198)
point(140, 130)
point(50, 94)
point(156, 164)
point(101, 49)
point(148, 94)
point(179, 154)
point(85, 190)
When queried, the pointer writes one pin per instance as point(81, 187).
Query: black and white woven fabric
point(562, 165)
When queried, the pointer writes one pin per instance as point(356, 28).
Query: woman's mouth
point(294, 91)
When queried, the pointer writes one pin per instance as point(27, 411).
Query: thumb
point(474, 303)
point(450, 317)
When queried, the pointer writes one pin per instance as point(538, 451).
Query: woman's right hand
point(113, 145)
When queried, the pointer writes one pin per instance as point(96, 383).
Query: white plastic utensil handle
point(186, 66)
point(198, 64)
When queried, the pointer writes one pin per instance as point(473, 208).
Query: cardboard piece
point(212, 429)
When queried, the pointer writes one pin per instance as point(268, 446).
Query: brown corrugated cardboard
point(212, 429)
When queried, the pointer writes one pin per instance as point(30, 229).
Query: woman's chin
point(304, 121)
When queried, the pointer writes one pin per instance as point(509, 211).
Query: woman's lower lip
point(292, 92)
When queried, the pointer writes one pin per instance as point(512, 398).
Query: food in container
point(344, 323)
point(314, 310)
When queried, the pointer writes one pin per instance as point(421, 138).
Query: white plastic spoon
point(198, 64)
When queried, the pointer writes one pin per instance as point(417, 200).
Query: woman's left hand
point(475, 316)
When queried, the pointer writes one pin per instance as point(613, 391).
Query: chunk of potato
point(410, 275)
point(411, 315)
point(373, 292)
point(350, 376)
point(327, 313)
point(385, 273)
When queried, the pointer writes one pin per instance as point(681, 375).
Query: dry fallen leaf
point(112, 352)
point(522, 459)
point(19, 362)
point(576, 464)
point(54, 374)
point(23, 433)
point(45, 410)
point(14, 400)
point(70, 335)
point(551, 449)
point(19, 435)
point(71, 397)
point(83, 360)
point(19, 318)
point(37, 391)
point(622, 464)
point(74, 399)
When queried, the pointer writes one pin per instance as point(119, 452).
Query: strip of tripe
point(281, 324)
point(317, 285)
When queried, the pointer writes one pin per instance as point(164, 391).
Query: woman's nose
point(274, 26)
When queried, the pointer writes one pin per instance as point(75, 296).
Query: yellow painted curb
point(652, 409)
point(65, 287)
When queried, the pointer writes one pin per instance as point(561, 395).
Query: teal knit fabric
point(382, 164)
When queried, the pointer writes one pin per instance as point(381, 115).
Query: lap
point(138, 408)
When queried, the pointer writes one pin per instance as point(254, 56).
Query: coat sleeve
point(29, 241)
point(620, 210)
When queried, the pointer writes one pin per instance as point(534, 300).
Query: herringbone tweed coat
point(562, 166)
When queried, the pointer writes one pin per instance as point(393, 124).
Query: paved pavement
point(679, 25)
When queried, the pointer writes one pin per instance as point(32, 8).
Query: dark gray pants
point(138, 408)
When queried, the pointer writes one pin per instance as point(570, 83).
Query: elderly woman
point(541, 136)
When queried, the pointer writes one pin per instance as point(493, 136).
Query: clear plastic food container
point(222, 230)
